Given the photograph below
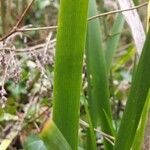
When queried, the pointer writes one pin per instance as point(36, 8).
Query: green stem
point(68, 67)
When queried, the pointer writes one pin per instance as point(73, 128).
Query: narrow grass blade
point(136, 101)
point(52, 137)
point(93, 35)
point(138, 141)
point(122, 60)
point(98, 92)
point(68, 67)
point(91, 138)
point(113, 40)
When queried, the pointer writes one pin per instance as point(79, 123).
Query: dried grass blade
point(133, 20)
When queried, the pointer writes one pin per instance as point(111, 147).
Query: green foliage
point(139, 137)
point(68, 67)
point(136, 101)
point(98, 92)
point(113, 40)
point(34, 143)
point(91, 137)
point(28, 73)
point(53, 138)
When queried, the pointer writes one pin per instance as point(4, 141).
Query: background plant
point(27, 75)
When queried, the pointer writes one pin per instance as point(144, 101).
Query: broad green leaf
point(70, 47)
point(34, 143)
point(53, 138)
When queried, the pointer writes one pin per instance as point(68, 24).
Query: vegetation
point(73, 76)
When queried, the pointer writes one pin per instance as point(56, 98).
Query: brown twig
point(89, 19)
point(34, 119)
point(19, 22)
point(108, 137)
point(29, 49)
point(24, 13)
point(15, 29)
point(117, 11)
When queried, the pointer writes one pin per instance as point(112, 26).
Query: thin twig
point(109, 138)
point(34, 119)
point(35, 48)
point(112, 143)
point(47, 43)
point(101, 132)
point(89, 19)
point(117, 11)
point(55, 27)
point(18, 23)
point(24, 14)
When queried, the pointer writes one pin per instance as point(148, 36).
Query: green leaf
point(34, 143)
point(113, 40)
point(70, 47)
point(53, 138)
point(138, 141)
point(123, 59)
point(136, 101)
point(98, 91)
point(91, 137)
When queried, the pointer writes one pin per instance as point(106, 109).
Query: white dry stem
point(133, 20)
point(48, 42)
